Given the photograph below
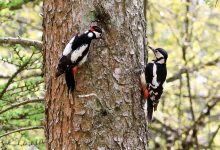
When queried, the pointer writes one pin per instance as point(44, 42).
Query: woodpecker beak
point(152, 50)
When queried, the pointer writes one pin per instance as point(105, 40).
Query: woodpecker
point(152, 79)
point(75, 54)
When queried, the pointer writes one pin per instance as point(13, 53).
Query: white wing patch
point(154, 81)
point(68, 47)
point(78, 52)
point(83, 60)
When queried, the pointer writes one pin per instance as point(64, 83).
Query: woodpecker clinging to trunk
point(75, 54)
point(152, 80)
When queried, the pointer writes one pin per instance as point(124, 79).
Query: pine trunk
point(105, 111)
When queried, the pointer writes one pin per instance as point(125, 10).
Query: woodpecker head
point(96, 30)
point(160, 54)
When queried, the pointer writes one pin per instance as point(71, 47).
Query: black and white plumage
point(152, 80)
point(75, 54)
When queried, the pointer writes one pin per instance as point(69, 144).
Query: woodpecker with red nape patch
point(152, 79)
point(75, 54)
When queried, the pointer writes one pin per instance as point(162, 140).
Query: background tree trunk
point(106, 110)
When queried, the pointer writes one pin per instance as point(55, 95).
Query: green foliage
point(211, 2)
point(13, 4)
point(21, 77)
point(167, 29)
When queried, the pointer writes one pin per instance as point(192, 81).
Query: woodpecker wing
point(65, 59)
point(68, 49)
point(161, 73)
point(161, 77)
point(149, 72)
point(78, 54)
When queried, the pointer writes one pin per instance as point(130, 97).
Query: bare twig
point(187, 39)
point(164, 20)
point(20, 104)
point(202, 115)
point(4, 77)
point(190, 70)
point(166, 126)
point(37, 74)
point(88, 95)
point(213, 136)
point(22, 41)
point(22, 129)
point(23, 77)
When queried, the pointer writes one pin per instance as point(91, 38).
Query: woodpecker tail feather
point(70, 80)
point(150, 109)
point(58, 73)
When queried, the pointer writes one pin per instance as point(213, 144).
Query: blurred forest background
point(189, 113)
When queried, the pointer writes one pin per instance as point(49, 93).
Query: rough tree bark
point(105, 112)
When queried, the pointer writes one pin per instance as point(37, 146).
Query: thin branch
point(40, 74)
point(166, 126)
point(213, 137)
point(187, 39)
point(199, 97)
point(190, 70)
point(4, 77)
point(13, 76)
point(9, 62)
point(20, 104)
point(28, 24)
point(22, 41)
point(21, 129)
point(202, 115)
point(25, 115)
point(164, 20)
point(145, 9)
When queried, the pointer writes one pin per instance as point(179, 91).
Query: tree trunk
point(105, 111)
